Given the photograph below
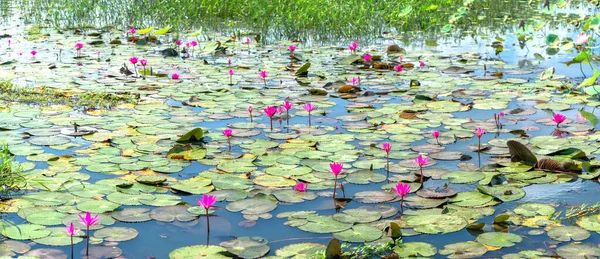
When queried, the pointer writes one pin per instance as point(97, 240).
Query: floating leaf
point(499, 239)
point(116, 234)
point(359, 233)
point(568, 233)
point(469, 249)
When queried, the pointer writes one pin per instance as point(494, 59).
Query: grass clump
point(11, 178)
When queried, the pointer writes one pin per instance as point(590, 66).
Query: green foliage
point(46, 96)
point(363, 251)
point(11, 179)
point(287, 19)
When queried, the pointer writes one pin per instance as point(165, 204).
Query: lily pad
point(358, 234)
point(499, 239)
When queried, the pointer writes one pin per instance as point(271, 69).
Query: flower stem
point(87, 243)
point(72, 254)
point(229, 142)
point(309, 119)
point(421, 167)
point(207, 221)
point(271, 119)
point(334, 186)
point(388, 165)
point(288, 117)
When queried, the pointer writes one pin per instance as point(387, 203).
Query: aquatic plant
point(250, 112)
point(33, 53)
point(401, 189)
point(301, 187)
point(263, 75)
point(309, 107)
point(11, 178)
point(436, 135)
point(558, 119)
point(144, 62)
point(78, 47)
point(134, 61)
point(387, 147)
point(336, 169)
point(421, 161)
point(206, 202)
point(270, 112)
point(72, 231)
point(228, 133)
point(479, 132)
point(288, 106)
point(88, 220)
point(292, 48)
point(353, 47)
point(230, 73)
point(398, 68)
point(174, 76)
point(367, 58)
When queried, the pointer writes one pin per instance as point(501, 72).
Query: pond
point(487, 135)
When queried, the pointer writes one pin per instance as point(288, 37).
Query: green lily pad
point(434, 224)
point(578, 251)
point(132, 215)
point(415, 249)
point(499, 239)
point(469, 249)
point(463, 177)
point(23, 231)
point(590, 222)
point(299, 250)
point(116, 234)
point(97, 206)
point(357, 216)
point(199, 252)
point(252, 206)
point(531, 209)
point(324, 224)
point(503, 192)
point(49, 218)
point(170, 213)
point(359, 233)
point(568, 233)
point(58, 237)
point(246, 247)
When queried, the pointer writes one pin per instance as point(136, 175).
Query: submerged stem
point(334, 186)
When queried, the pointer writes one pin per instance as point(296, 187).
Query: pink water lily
point(178, 42)
point(292, 48)
point(228, 133)
point(421, 64)
point(194, 43)
point(558, 119)
point(336, 169)
point(33, 52)
point(206, 202)
point(133, 60)
point(72, 231)
point(143, 62)
point(174, 76)
point(387, 147)
point(229, 62)
point(263, 74)
point(248, 41)
point(367, 58)
point(88, 220)
point(401, 190)
point(287, 105)
point(250, 111)
point(479, 132)
point(9, 42)
point(581, 39)
point(301, 187)
point(436, 135)
point(354, 81)
point(230, 73)
point(132, 30)
point(352, 47)
point(78, 47)
point(309, 107)
point(398, 68)
point(270, 111)
point(421, 161)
